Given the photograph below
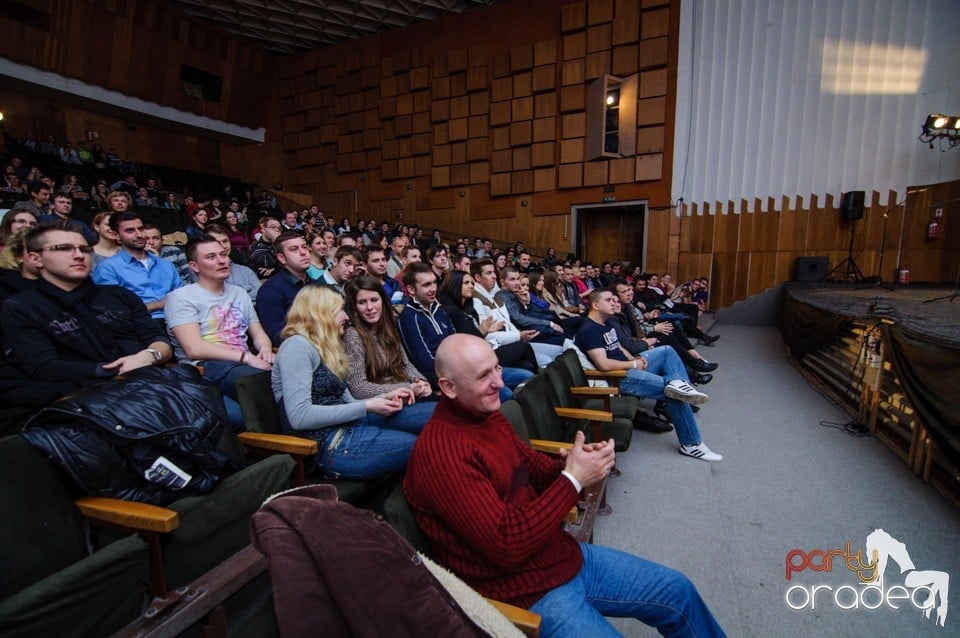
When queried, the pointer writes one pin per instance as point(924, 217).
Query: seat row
point(59, 571)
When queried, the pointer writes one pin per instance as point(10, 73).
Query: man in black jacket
point(66, 329)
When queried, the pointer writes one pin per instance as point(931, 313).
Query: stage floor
point(938, 321)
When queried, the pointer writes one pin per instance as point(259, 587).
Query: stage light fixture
point(945, 128)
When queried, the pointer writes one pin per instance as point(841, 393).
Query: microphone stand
point(878, 280)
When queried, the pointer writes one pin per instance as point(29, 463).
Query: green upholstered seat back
point(397, 512)
point(514, 413)
point(42, 530)
point(260, 411)
point(538, 399)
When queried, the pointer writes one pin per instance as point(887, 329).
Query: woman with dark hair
point(14, 222)
point(170, 203)
point(357, 438)
point(239, 240)
point(101, 195)
point(499, 262)
point(551, 258)
point(199, 224)
point(378, 362)
point(551, 291)
point(456, 296)
point(534, 305)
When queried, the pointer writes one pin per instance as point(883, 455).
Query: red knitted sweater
point(491, 506)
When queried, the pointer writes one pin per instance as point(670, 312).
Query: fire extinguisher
point(903, 274)
point(933, 229)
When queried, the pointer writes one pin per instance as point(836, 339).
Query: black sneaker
point(700, 379)
point(702, 365)
point(708, 340)
point(651, 424)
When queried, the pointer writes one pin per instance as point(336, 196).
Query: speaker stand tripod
point(853, 270)
point(953, 295)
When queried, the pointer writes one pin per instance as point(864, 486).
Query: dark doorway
point(611, 232)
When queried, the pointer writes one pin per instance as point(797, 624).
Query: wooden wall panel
point(137, 49)
point(749, 252)
point(496, 94)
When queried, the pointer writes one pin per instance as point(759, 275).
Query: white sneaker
point(683, 391)
point(700, 451)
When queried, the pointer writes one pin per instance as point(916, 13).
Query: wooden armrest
point(609, 374)
point(572, 515)
point(598, 416)
point(131, 514)
point(590, 391)
point(523, 619)
point(278, 443)
point(549, 447)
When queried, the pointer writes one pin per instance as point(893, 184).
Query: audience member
point(492, 507)
point(358, 439)
point(378, 363)
point(376, 262)
point(396, 263)
point(456, 298)
point(14, 222)
point(549, 331)
point(62, 206)
point(198, 223)
point(345, 262)
point(423, 324)
point(69, 331)
point(240, 275)
point(170, 253)
point(486, 303)
point(107, 244)
point(277, 293)
point(141, 272)
point(657, 373)
point(262, 259)
point(211, 323)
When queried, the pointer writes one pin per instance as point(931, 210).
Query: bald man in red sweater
point(493, 509)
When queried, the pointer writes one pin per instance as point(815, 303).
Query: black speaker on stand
point(851, 207)
point(852, 204)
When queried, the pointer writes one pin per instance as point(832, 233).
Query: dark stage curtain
point(806, 328)
point(930, 376)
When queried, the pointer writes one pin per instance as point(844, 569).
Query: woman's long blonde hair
point(313, 317)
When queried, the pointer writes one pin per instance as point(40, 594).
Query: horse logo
point(882, 547)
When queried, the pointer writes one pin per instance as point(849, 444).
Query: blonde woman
point(357, 439)
point(108, 245)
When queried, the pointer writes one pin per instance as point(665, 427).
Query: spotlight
point(945, 128)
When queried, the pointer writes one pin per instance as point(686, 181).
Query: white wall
point(809, 97)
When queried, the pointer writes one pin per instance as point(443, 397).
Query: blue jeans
point(512, 377)
point(613, 583)
point(224, 375)
point(663, 366)
point(375, 446)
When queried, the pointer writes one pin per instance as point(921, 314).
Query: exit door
point(612, 232)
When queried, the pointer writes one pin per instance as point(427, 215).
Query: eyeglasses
point(69, 248)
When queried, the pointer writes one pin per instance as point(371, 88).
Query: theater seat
point(262, 415)
point(50, 584)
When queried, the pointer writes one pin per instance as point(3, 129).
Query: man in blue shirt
point(145, 274)
point(656, 373)
point(62, 206)
point(276, 294)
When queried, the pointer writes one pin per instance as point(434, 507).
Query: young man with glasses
point(69, 331)
point(262, 258)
